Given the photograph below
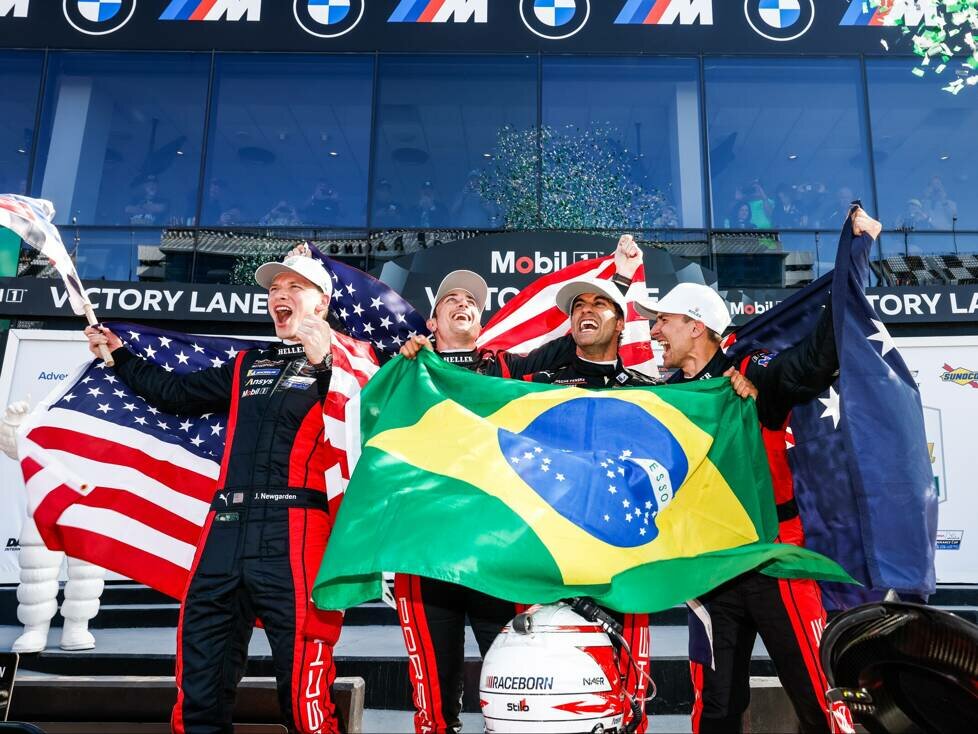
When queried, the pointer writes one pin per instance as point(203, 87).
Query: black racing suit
point(787, 613)
point(432, 613)
point(583, 373)
point(263, 538)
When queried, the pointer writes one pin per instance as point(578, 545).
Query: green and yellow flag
point(641, 498)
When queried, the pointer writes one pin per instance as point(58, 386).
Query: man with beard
point(787, 613)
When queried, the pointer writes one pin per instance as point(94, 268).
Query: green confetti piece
point(917, 72)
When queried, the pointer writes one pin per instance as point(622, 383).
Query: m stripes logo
point(440, 11)
point(666, 12)
point(890, 13)
point(198, 10)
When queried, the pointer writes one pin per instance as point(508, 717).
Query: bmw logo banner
point(780, 20)
point(98, 17)
point(328, 18)
point(555, 19)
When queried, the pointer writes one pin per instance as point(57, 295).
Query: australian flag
point(369, 310)
point(863, 479)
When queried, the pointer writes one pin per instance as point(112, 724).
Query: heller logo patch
point(98, 17)
point(949, 539)
point(328, 18)
point(960, 376)
point(666, 12)
point(780, 20)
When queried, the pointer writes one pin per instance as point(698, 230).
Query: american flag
point(117, 482)
point(531, 318)
point(369, 310)
point(32, 220)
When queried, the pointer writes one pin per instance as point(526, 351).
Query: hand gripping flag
point(640, 498)
point(115, 481)
point(862, 475)
point(32, 220)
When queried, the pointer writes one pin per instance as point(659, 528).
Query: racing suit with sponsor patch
point(583, 373)
point(787, 613)
point(432, 613)
point(263, 538)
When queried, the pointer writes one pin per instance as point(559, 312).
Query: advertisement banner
point(34, 363)
point(946, 369)
point(516, 26)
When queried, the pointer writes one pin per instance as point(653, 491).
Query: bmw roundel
point(328, 18)
point(780, 20)
point(98, 17)
point(555, 19)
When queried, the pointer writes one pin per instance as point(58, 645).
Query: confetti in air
point(944, 39)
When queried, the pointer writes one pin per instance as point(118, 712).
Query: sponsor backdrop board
point(946, 369)
point(34, 364)
point(523, 26)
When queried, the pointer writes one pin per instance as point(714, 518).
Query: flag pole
point(103, 350)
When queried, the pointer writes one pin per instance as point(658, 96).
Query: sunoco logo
point(960, 376)
point(539, 264)
point(98, 17)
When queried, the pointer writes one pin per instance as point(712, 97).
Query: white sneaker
point(34, 639)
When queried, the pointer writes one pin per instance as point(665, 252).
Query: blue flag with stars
point(368, 309)
point(863, 479)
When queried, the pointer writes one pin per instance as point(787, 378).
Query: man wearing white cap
point(787, 613)
point(266, 531)
point(433, 613)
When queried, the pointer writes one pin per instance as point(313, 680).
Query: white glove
point(12, 418)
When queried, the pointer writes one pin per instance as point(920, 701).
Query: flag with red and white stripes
point(116, 482)
point(32, 220)
point(532, 318)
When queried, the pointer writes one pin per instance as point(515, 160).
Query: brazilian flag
point(641, 498)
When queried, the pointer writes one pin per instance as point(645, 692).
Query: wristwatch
point(326, 364)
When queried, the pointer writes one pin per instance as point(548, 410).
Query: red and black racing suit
point(432, 613)
point(263, 538)
point(787, 613)
point(582, 373)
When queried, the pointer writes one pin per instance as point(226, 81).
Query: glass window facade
point(455, 143)
point(121, 138)
point(289, 143)
point(20, 79)
point(621, 143)
point(925, 145)
point(746, 165)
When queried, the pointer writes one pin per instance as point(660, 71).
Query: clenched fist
point(414, 345)
point(628, 256)
point(316, 338)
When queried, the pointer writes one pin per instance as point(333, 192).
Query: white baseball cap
point(308, 267)
point(698, 301)
point(463, 280)
point(570, 291)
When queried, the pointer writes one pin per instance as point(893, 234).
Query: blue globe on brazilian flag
point(641, 498)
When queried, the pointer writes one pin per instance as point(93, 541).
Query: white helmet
point(556, 672)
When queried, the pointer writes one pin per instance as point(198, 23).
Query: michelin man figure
point(39, 568)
